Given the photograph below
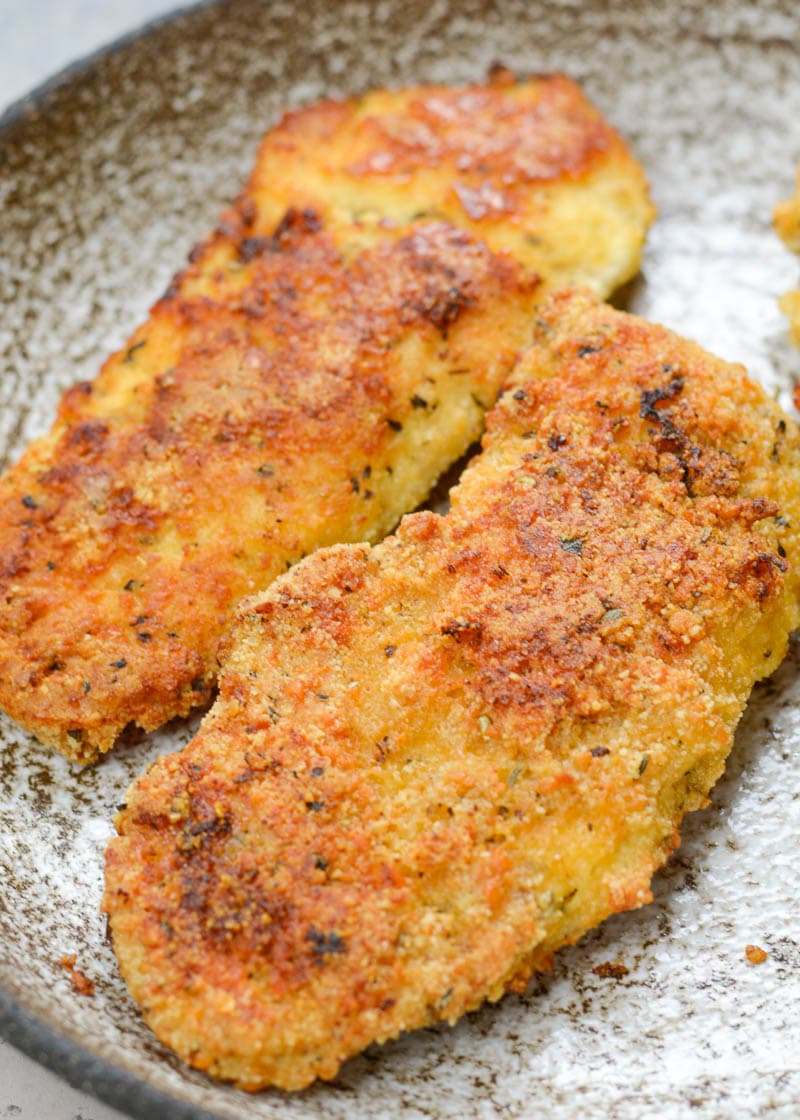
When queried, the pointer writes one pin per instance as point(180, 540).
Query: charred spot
point(652, 397)
point(315, 806)
point(390, 650)
point(320, 863)
point(355, 485)
point(217, 826)
point(124, 508)
point(120, 663)
point(519, 395)
point(231, 908)
point(252, 247)
point(395, 425)
point(317, 771)
point(766, 558)
point(585, 351)
point(463, 630)
point(555, 441)
point(88, 438)
point(763, 569)
point(418, 402)
point(199, 833)
point(29, 502)
point(572, 545)
point(324, 943)
point(293, 223)
point(599, 752)
point(441, 309)
point(144, 636)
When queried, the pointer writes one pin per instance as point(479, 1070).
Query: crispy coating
point(435, 761)
point(786, 219)
point(303, 382)
point(531, 168)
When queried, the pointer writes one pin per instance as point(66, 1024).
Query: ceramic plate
point(105, 180)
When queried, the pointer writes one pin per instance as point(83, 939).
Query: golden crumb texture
point(786, 220)
point(326, 354)
point(435, 761)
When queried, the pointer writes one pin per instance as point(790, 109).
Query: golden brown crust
point(530, 167)
point(303, 382)
point(434, 761)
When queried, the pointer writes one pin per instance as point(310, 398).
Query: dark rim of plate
point(83, 1070)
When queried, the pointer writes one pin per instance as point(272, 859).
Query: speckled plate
point(105, 180)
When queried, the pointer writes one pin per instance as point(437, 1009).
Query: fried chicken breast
point(328, 352)
point(435, 761)
point(530, 167)
point(786, 220)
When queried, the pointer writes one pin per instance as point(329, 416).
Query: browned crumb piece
point(610, 971)
point(80, 981)
point(357, 844)
point(755, 954)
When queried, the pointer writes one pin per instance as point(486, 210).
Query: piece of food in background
point(435, 761)
point(304, 382)
point(755, 954)
point(786, 220)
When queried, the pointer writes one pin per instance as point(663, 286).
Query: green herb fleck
point(515, 774)
point(129, 353)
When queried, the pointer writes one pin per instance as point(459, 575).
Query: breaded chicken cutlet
point(435, 761)
point(786, 219)
point(328, 352)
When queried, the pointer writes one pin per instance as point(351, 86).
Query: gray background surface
point(37, 39)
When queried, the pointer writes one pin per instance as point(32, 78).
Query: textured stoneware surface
point(102, 189)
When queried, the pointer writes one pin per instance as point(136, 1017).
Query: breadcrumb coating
point(435, 761)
